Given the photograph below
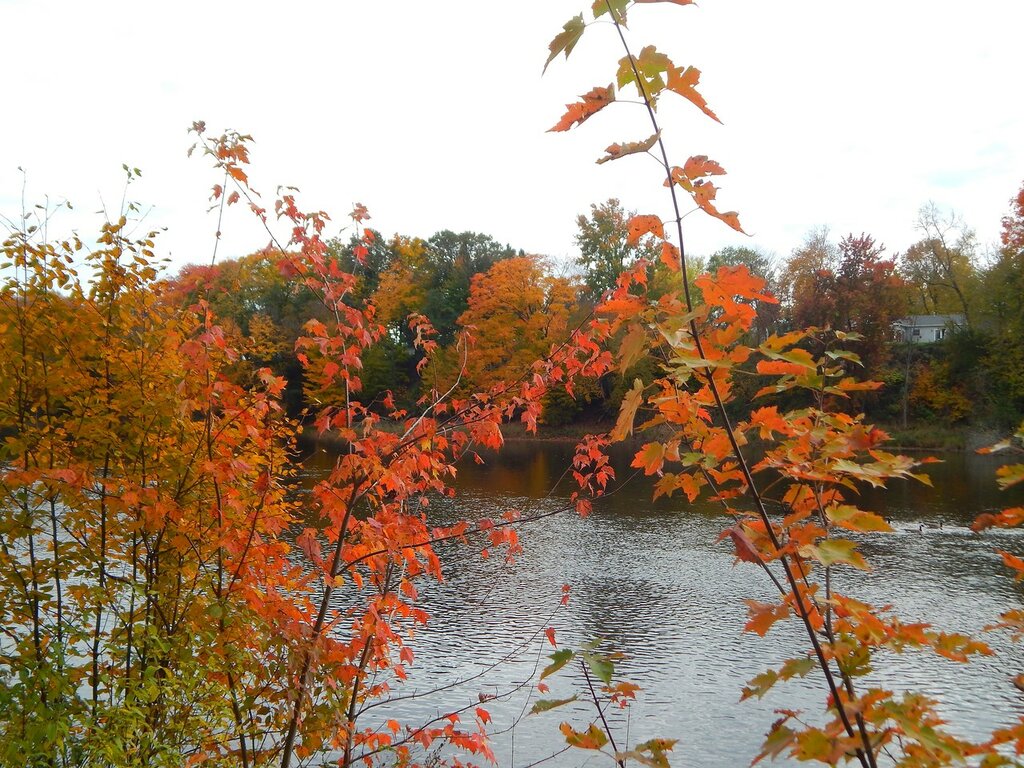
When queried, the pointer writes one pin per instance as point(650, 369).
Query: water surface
point(649, 580)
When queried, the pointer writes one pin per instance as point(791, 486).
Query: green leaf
point(558, 660)
point(650, 65)
point(853, 519)
point(778, 739)
point(760, 684)
point(797, 667)
point(601, 666)
point(566, 39)
point(831, 551)
point(600, 8)
point(840, 354)
point(543, 705)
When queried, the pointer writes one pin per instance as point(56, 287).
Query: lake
point(648, 579)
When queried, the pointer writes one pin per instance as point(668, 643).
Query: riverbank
point(924, 437)
point(931, 437)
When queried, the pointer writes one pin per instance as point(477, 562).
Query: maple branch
point(220, 219)
point(600, 714)
point(865, 753)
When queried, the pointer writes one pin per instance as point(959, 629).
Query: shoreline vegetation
point(914, 438)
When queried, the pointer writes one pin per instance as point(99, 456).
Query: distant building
point(923, 329)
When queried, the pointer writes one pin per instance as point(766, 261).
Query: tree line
point(511, 308)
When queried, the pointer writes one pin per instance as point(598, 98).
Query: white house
point(922, 329)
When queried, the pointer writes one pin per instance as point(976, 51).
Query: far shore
point(917, 438)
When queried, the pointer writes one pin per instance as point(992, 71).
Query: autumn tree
point(142, 495)
point(941, 266)
point(402, 287)
point(517, 311)
point(871, 297)
point(807, 278)
point(759, 264)
point(848, 287)
point(1012, 235)
point(1002, 314)
point(1003, 279)
point(454, 259)
point(166, 596)
point(366, 537)
point(605, 247)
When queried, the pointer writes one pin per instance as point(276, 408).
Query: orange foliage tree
point(517, 312)
point(142, 573)
point(156, 609)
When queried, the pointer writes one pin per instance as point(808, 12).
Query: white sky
point(850, 115)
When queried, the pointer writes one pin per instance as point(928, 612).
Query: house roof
point(931, 321)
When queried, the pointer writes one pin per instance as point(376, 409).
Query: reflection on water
point(649, 579)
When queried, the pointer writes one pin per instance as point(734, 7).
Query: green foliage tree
point(942, 265)
point(454, 258)
point(605, 247)
point(367, 255)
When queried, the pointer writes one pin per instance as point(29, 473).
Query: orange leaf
point(592, 738)
point(853, 519)
point(1014, 562)
point(650, 458)
point(670, 256)
point(780, 368)
point(684, 82)
point(763, 615)
point(1008, 518)
point(644, 225)
point(700, 165)
point(704, 193)
point(615, 151)
point(691, 485)
point(550, 634)
point(593, 102)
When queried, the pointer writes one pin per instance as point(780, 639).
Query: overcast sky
point(434, 115)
